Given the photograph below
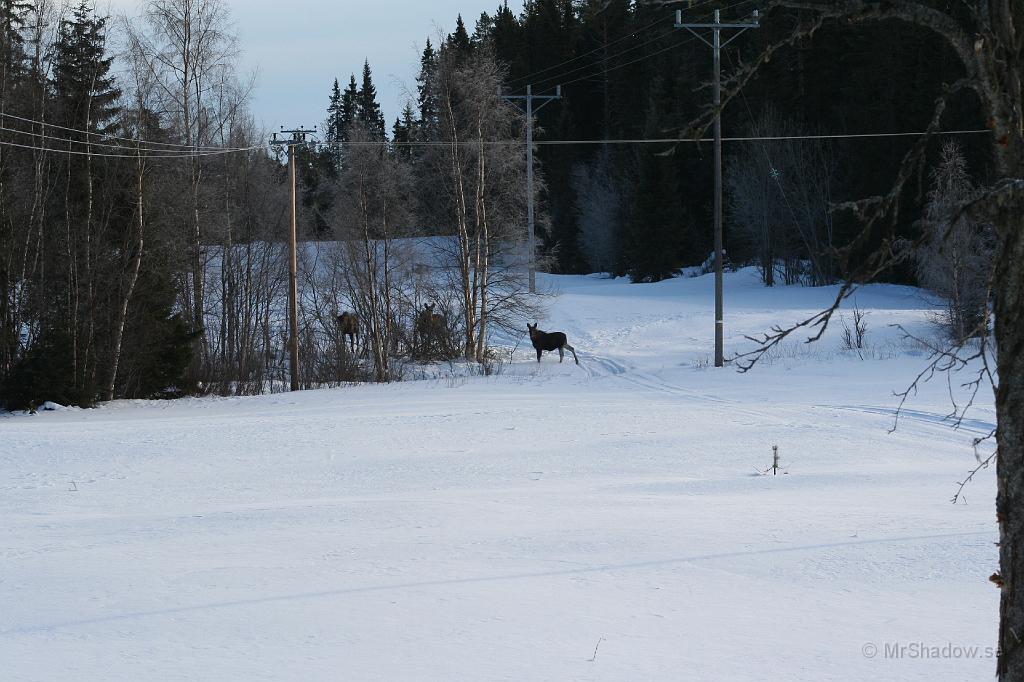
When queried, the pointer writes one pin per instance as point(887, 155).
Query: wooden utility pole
point(298, 137)
point(530, 111)
point(716, 46)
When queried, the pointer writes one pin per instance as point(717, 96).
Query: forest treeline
point(627, 74)
point(142, 216)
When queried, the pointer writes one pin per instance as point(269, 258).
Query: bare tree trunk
point(483, 249)
point(461, 221)
point(1009, 334)
point(133, 278)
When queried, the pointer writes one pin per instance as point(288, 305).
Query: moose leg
point(561, 355)
point(573, 351)
point(539, 351)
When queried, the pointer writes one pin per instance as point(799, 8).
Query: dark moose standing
point(548, 341)
point(348, 325)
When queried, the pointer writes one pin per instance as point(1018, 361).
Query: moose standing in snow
point(348, 325)
point(430, 331)
point(549, 341)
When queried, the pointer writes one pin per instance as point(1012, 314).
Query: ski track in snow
point(501, 528)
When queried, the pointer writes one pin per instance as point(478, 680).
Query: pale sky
point(298, 47)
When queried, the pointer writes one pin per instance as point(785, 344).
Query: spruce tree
point(426, 95)
point(84, 98)
point(483, 30)
point(12, 43)
point(367, 109)
point(349, 108)
point(333, 133)
point(404, 132)
point(459, 41)
point(85, 94)
point(507, 38)
point(654, 237)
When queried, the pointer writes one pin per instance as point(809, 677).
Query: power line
point(111, 137)
point(163, 152)
point(504, 143)
point(72, 152)
point(559, 78)
point(529, 76)
point(629, 63)
point(761, 138)
point(772, 170)
point(523, 79)
point(603, 71)
point(657, 140)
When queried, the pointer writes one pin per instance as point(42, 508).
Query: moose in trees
point(348, 325)
point(549, 341)
point(430, 329)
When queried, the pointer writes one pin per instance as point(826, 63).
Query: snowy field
point(555, 522)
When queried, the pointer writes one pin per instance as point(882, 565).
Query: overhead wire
point(169, 145)
point(133, 151)
point(660, 140)
point(773, 172)
point(135, 148)
point(604, 70)
point(138, 155)
point(529, 76)
point(634, 32)
point(559, 79)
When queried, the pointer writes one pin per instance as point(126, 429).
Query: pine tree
point(367, 109)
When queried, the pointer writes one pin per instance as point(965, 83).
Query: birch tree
point(484, 170)
point(190, 49)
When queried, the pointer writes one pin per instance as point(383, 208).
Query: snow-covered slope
point(506, 527)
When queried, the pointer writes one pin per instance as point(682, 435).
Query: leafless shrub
point(853, 338)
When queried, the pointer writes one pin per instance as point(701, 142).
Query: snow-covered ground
point(555, 522)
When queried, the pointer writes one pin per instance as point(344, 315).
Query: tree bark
point(1009, 333)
